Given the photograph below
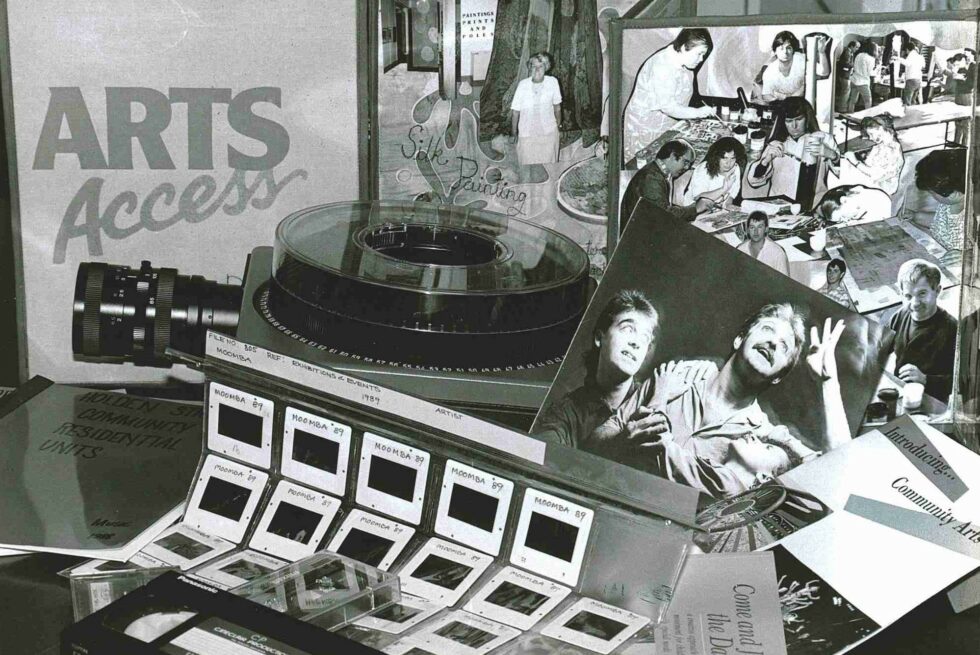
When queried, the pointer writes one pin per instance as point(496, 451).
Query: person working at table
point(758, 245)
point(942, 173)
point(881, 165)
point(851, 204)
point(925, 334)
point(797, 156)
point(655, 183)
point(719, 176)
point(663, 90)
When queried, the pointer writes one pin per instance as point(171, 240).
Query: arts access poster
point(179, 133)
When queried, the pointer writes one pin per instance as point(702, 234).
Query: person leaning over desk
point(655, 183)
point(942, 173)
point(663, 90)
point(852, 203)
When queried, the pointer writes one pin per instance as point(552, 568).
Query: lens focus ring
point(91, 319)
point(166, 281)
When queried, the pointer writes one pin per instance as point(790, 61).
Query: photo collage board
point(832, 149)
point(826, 147)
point(518, 127)
point(485, 552)
point(849, 133)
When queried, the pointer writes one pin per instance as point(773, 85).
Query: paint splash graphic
point(430, 151)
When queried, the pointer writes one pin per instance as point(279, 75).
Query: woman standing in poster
point(536, 113)
point(663, 89)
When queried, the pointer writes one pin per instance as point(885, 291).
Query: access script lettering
point(69, 132)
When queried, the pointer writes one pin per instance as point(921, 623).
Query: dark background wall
point(8, 310)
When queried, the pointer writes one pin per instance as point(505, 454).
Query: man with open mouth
point(593, 417)
point(707, 415)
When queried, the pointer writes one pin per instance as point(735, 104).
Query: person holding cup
point(796, 157)
point(924, 342)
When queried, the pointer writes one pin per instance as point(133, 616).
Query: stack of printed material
point(704, 366)
point(898, 522)
point(92, 473)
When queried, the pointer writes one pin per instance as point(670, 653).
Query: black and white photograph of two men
point(700, 365)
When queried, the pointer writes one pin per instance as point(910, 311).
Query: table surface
point(809, 268)
point(700, 133)
point(931, 113)
point(931, 408)
point(32, 623)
